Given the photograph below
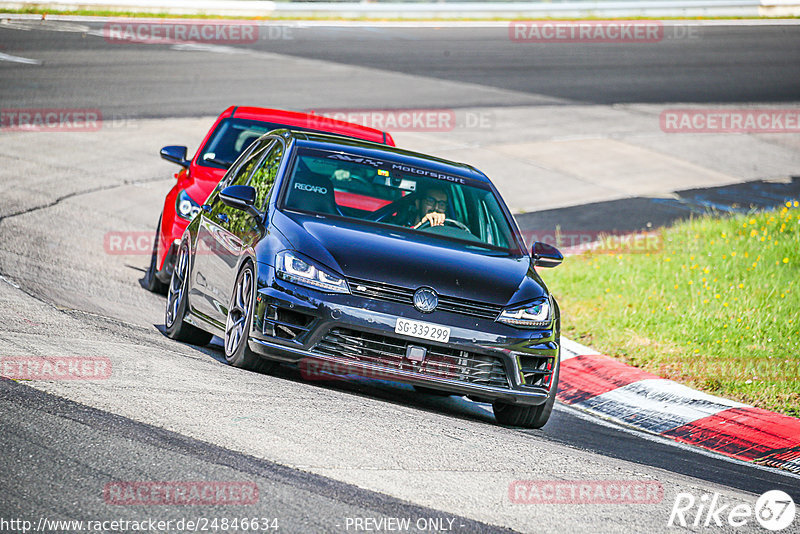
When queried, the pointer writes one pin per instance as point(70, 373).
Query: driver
point(430, 208)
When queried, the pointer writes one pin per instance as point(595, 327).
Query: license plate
point(433, 332)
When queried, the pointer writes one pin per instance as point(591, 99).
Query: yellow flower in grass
point(741, 286)
point(785, 260)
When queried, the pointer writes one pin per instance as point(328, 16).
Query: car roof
point(310, 121)
point(338, 143)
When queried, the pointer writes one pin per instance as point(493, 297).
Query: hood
point(411, 260)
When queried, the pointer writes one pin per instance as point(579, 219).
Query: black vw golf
point(323, 249)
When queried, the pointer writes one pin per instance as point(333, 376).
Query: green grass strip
point(716, 306)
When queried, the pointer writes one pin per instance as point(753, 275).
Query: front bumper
point(335, 334)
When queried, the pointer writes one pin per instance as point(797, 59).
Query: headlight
point(530, 315)
point(291, 267)
point(186, 207)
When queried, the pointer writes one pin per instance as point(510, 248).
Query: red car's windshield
point(231, 137)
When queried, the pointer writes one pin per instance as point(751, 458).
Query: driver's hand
point(434, 218)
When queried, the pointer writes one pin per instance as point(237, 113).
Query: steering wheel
point(452, 222)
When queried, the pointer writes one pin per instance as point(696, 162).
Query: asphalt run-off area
point(619, 131)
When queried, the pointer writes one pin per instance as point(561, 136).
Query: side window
point(264, 176)
point(242, 174)
point(238, 175)
point(242, 164)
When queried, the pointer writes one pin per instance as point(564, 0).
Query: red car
point(232, 132)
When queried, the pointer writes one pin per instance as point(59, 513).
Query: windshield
point(388, 192)
point(231, 138)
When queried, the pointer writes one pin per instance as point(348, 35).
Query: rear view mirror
point(545, 255)
point(175, 154)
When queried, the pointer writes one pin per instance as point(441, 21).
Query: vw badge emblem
point(425, 299)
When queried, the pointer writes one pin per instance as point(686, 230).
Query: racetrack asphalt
point(377, 449)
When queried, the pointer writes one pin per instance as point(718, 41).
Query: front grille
point(403, 295)
point(389, 352)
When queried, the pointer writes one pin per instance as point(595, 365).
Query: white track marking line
point(18, 59)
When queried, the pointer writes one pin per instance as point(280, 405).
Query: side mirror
point(545, 255)
point(175, 154)
point(240, 197)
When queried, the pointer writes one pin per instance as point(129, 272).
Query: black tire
point(239, 322)
point(151, 282)
point(177, 303)
point(431, 391)
point(527, 416)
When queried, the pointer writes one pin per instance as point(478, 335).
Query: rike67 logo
point(774, 510)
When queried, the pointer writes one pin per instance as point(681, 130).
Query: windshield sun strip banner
point(391, 166)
